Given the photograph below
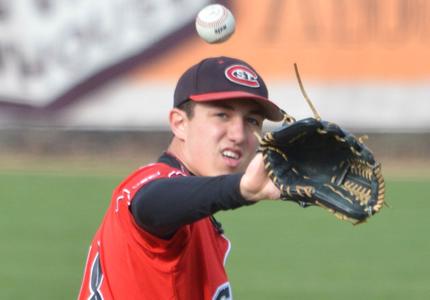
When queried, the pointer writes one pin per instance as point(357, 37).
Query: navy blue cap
point(224, 78)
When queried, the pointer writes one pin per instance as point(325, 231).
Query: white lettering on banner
point(48, 47)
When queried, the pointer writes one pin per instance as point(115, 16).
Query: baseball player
point(158, 238)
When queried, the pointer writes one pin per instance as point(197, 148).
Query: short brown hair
point(188, 108)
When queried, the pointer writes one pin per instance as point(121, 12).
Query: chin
point(223, 171)
point(231, 170)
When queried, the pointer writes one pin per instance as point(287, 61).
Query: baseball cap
point(224, 78)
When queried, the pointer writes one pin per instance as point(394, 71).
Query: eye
point(254, 121)
point(221, 115)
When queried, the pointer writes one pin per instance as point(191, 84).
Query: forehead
point(245, 106)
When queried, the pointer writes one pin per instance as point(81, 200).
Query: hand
point(255, 184)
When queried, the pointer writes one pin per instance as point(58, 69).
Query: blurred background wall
point(96, 78)
point(85, 91)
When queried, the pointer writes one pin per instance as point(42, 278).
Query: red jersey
point(126, 262)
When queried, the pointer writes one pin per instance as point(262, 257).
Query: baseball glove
point(316, 162)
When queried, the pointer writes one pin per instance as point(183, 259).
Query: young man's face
point(220, 136)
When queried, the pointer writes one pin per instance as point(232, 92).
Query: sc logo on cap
point(242, 75)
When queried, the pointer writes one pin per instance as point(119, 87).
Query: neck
point(176, 148)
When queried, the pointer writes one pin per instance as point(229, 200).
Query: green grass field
point(279, 251)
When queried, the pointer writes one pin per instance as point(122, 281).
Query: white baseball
point(215, 23)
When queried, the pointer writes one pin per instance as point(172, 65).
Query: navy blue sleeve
point(164, 205)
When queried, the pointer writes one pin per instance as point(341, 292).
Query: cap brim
point(271, 110)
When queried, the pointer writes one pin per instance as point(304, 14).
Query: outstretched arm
point(255, 184)
point(161, 207)
point(164, 205)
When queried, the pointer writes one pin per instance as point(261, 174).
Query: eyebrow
point(228, 107)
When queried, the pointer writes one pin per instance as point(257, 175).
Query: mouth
point(232, 157)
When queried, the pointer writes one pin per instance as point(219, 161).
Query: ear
point(178, 123)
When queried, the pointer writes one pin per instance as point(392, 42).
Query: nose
point(237, 130)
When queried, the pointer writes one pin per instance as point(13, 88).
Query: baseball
point(215, 23)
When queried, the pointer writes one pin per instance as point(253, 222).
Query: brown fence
point(117, 151)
